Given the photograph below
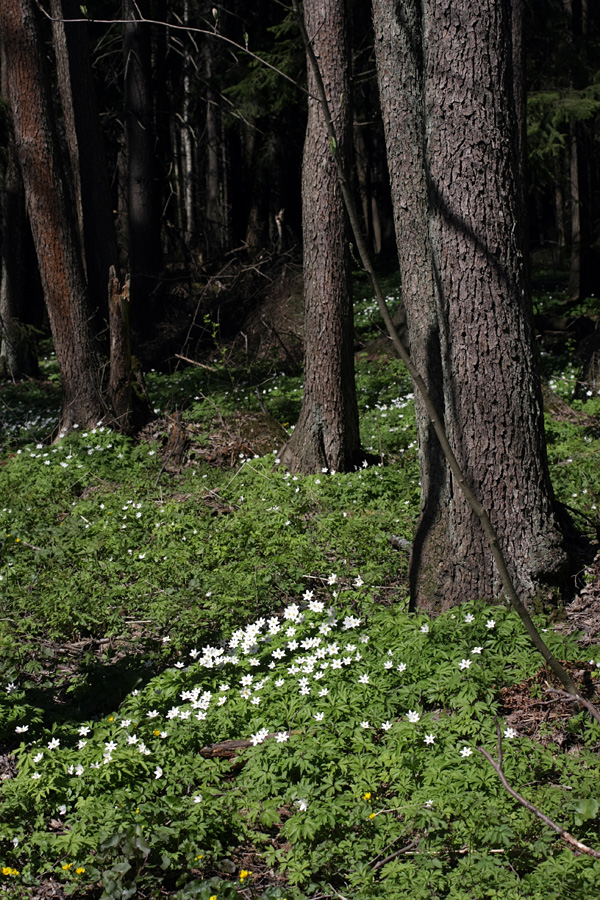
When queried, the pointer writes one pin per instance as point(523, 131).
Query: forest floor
point(211, 684)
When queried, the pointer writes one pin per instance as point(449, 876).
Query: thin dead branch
point(568, 838)
point(578, 699)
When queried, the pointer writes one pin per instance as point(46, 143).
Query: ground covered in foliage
point(210, 683)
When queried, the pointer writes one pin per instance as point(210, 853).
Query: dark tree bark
point(18, 357)
point(89, 171)
point(52, 225)
point(214, 150)
point(326, 435)
point(144, 197)
point(445, 75)
point(186, 136)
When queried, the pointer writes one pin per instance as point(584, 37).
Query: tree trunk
point(214, 170)
point(575, 266)
point(449, 112)
point(187, 145)
point(52, 225)
point(18, 357)
point(145, 249)
point(326, 435)
point(89, 169)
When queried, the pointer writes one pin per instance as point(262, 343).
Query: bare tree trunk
point(145, 251)
point(445, 80)
point(18, 355)
point(561, 231)
point(575, 270)
point(215, 212)
point(89, 169)
point(187, 144)
point(326, 435)
point(53, 228)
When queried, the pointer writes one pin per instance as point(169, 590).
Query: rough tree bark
point(52, 224)
point(216, 212)
point(326, 435)
point(18, 357)
point(187, 144)
point(145, 251)
point(445, 76)
point(89, 171)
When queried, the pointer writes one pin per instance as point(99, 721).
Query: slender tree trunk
point(561, 231)
point(53, 227)
point(187, 144)
point(326, 435)
point(575, 269)
point(145, 251)
point(445, 79)
point(214, 183)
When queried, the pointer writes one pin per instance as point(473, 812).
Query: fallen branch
point(229, 749)
point(31, 546)
point(194, 362)
point(565, 836)
point(382, 862)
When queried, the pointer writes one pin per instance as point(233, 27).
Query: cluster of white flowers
point(319, 658)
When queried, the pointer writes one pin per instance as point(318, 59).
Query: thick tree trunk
point(143, 191)
point(18, 355)
point(326, 435)
point(89, 169)
point(445, 79)
point(53, 228)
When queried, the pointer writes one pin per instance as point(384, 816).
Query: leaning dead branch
point(564, 835)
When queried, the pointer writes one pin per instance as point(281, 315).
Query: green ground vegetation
point(149, 612)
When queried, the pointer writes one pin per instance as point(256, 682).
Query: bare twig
point(194, 362)
point(382, 862)
point(565, 836)
point(31, 546)
point(499, 741)
point(337, 893)
point(578, 699)
point(173, 26)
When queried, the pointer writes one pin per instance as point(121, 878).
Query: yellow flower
point(156, 732)
point(367, 796)
point(111, 718)
point(80, 870)
point(372, 816)
point(67, 866)
point(200, 856)
point(244, 874)
point(213, 897)
point(6, 870)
